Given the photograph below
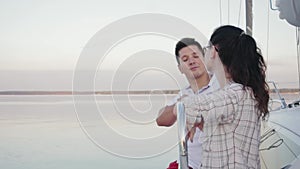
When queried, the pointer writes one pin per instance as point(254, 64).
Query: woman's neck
point(222, 76)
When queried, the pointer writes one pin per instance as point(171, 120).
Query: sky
point(42, 36)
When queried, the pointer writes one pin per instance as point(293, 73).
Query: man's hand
point(192, 131)
point(166, 116)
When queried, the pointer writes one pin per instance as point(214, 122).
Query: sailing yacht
point(280, 133)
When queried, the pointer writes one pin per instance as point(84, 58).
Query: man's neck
point(198, 83)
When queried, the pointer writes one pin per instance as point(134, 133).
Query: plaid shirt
point(231, 127)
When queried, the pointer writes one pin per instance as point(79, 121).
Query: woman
point(232, 115)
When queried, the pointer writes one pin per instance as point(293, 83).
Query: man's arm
point(167, 116)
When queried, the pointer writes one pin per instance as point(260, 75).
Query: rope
point(276, 144)
point(266, 135)
point(228, 12)
point(268, 35)
point(239, 18)
point(220, 10)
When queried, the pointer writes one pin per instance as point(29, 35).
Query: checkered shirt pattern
point(231, 127)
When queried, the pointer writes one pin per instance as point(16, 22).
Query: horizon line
point(108, 92)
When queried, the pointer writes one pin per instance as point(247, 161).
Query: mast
point(298, 54)
point(249, 17)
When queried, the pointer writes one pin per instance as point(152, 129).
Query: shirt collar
point(212, 83)
point(189, 88)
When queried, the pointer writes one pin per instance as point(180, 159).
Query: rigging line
point(239, 18)
point(228, 12)
point(268, 36)
point(220, 11)
point(285, 128)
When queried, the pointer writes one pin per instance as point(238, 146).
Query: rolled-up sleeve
point(218, 107)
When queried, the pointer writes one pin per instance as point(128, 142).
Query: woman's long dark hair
point(243, 61)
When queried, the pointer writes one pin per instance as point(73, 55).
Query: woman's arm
point(218, 107)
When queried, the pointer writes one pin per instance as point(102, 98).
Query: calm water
point(104, 132)
point(87, 132)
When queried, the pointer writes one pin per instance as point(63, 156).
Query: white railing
point(182, 136)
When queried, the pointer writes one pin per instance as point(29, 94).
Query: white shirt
point(194, 148)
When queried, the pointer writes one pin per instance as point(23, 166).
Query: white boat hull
point(280, 141)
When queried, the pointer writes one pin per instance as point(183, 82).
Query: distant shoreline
point(86, 92)
point(112, 92)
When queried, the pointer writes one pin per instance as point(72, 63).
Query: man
point(189, 56)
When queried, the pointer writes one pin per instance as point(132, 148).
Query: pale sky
point(50, 35)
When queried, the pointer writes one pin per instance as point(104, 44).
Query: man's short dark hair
point(184, 43)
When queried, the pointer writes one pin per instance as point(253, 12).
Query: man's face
point(191, 62)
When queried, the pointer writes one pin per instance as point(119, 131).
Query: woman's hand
point(192, 131)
